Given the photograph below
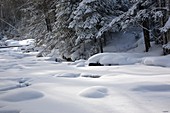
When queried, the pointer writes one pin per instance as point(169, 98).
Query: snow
point(166, 26)
point(129, 58)
point(21, 95)
point(70, 75)
point(79, 63)
point(157, 61)
point(94, 92)
point(37, 85)
point(20, 43)
point(115, 58)
point(167, 46)
point(26, 45)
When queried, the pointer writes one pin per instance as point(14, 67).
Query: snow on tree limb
point(166, 26)
point(135, 13)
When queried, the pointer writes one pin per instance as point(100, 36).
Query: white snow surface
point(36, 85)
point(25, 42)
point(129, 58)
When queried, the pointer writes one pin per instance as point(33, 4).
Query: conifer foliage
point(81, 28)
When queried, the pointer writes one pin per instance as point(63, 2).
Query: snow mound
point(94, 92)
point(20, 43)
point(68, 75)
point(21, 96)
point(128, 59)
point(27, 45)
point(154, 88)
point(27, 42)
point(157, 61)
point(12, 43)
point(115, 58)
point(79, 63)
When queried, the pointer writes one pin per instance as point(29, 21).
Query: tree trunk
point(164, 19)
point(168, 14)
point(146, 34)
point(101, 45)
point(162, 3)
point(104, 39)
point(47, 17)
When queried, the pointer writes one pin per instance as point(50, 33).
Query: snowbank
point(157, 61)
point(26, 42)
point(129, 58)
point(94, 92)
point(26, 45)
point(115, 58)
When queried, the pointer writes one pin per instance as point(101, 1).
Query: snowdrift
point(129, 58)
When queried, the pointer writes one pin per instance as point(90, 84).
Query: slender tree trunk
point(47, 17)
point(104, 39)
point(1, 15)
point(164, 19)
point(146, 35)
point(168, 14)
point(101, 45)
point(162, 3)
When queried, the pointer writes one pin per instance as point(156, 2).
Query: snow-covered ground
point(38, 85)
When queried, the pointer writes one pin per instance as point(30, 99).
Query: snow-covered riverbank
point(38, 85)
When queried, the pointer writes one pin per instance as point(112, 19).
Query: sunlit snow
point(37, 85)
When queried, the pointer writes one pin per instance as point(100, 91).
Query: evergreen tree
point(87, 19)
point(144, 13)
point(64, 36)
point(38, 16)
point(10, 16)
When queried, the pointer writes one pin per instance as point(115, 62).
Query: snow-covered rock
point(115, 58)
point(157, 61)
point(128, 59)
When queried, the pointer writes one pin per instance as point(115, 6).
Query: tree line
point(81, 28)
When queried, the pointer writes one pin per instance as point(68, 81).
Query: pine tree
point(38, 16)
point(10, 15)
point(64, 36)
point(87, 19)
point(145, 13)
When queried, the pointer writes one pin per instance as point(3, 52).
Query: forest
point(78, 29)
point(84, 56)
